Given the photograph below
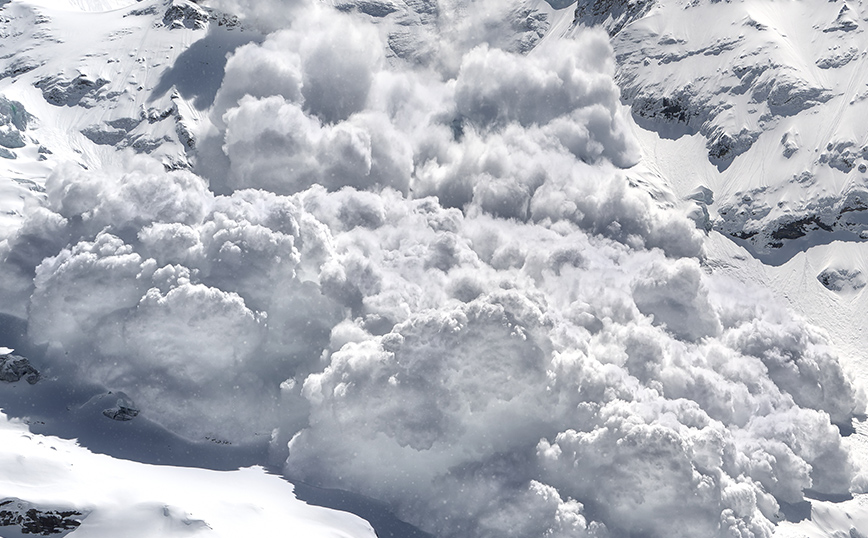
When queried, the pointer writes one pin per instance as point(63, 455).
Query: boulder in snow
point(13, 368)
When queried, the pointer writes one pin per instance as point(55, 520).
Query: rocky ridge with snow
point(774, 90)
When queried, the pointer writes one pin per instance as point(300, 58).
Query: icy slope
point(775, 91)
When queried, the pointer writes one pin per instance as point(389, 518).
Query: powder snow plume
point(435, 280)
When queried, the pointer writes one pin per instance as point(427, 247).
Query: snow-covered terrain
point(775, 93)
point(51, 486)
point(791, 187)
point(500, 268)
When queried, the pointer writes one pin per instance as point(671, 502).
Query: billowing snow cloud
point(274, 145)
point(566, 88)
point(437, 286)
point(317, 104)
point(561, 367)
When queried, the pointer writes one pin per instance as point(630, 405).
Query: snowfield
point(494, 268)
point(114, 497)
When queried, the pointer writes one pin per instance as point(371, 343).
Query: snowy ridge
point(774, 88)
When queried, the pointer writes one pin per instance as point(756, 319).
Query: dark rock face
point(15, 512)
point(124, 409)
point(13, 121)
point(121, 414)
point(13, 113)
point(677, 109)
point(800, 228)
point(185, 16)
point(846, 21)
point(749, 216)
point(79, 91)
point(843, 155)
point(104, 135)
point(13, 368)
point(842, 279)
point(667, 109)
point(595, 12)
point(372, 8)
point(19, 66)
point(724, 147)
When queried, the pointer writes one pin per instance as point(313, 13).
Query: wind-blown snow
point(430, 278)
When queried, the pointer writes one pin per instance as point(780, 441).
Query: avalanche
point(504, 272)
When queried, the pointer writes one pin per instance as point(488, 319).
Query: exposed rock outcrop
point(32, 520)
point(81, 91)
point(14, 368)
point(185, 15)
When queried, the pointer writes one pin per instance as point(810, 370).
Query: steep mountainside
point(753, 111)
point(775, 91)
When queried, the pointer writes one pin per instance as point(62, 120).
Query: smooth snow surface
point(124, 498)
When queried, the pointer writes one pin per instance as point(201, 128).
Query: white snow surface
point(123, 498)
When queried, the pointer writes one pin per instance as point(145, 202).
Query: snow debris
point(436, 284)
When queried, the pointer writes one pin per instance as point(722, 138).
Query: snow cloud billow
point(135, 192)
point(166, 290)
point(441, 288)
point(565, 88)
point(274, 145)
point(555, 389)
point(318, 104)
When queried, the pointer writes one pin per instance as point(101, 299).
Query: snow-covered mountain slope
point(754, 110)
point(772, 94)
point(81, 79)
point(414, 250)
